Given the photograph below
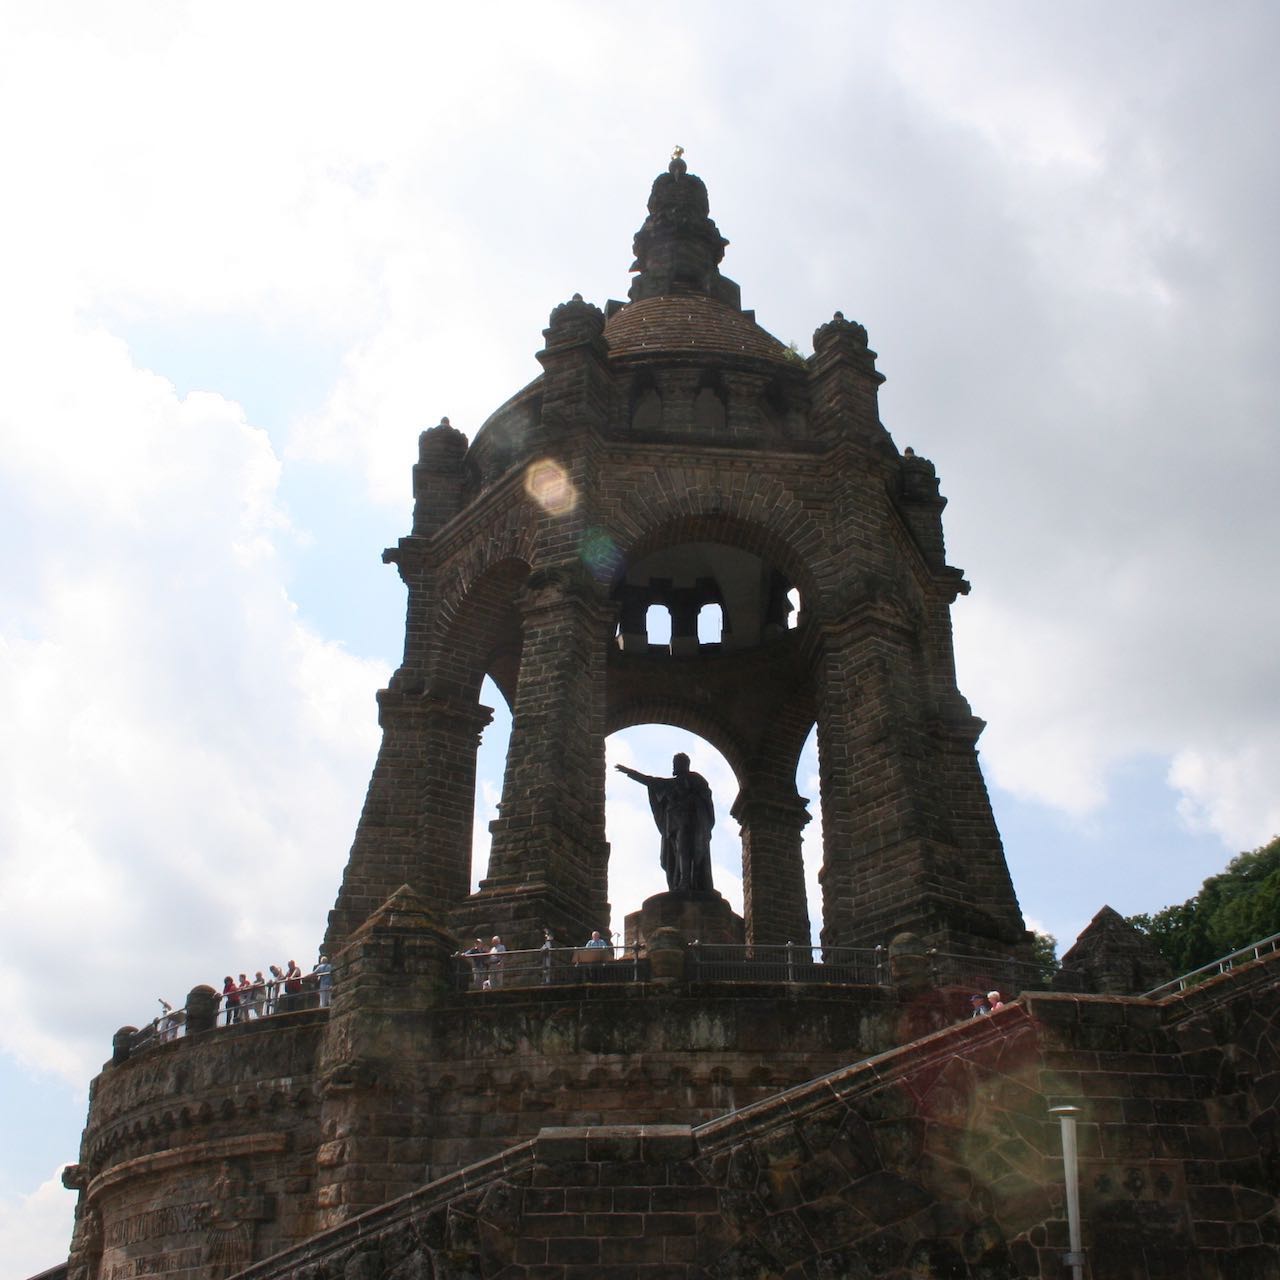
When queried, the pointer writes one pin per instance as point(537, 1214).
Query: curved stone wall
point(200, 1153)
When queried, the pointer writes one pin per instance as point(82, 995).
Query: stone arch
point(772, 523)
point(711, 402)
point(481, 632)
point(513, 538)
point(778, 407)
point(682, 713)
point(644, 402)
point(752, 696)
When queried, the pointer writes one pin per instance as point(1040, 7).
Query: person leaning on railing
point(274, 983)
point(323, 974)
point(496, 953)
point(231, 1000)
point(258, 995)
point(478, 957)
point(292, 987)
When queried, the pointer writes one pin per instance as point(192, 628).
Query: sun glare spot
point(548, 484)
point(600, 554)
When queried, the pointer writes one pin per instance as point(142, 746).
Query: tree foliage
point(1044, 955)
point(1234, 908)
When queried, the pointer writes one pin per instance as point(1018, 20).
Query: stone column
point(415, 827)
point(773, 892)
point(685, 603)
point(909, 840)
point(873, 875)
point(454, 729)
point(634, 604)
point(548, 864)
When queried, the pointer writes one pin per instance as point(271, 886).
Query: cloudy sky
point(247, 252)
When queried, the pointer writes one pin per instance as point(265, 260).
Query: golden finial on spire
point(677, 153)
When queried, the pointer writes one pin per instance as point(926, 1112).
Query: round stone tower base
point(698, 915)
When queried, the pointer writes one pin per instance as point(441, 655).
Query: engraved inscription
point(171, 1220)
point(158, 1264)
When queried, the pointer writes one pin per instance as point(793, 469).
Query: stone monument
point(673, 454)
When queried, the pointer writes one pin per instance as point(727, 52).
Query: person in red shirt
point(231, 999)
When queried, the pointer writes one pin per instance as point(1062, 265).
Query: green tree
point(1234, 908)
point(1044, 955)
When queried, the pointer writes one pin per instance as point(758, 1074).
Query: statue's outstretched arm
point(635, 774)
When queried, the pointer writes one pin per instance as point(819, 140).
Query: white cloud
point(1231, 792)
point(181, 757)
point(35, 1229)
point(1058, 228)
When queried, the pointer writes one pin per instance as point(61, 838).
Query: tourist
point(258, 995)
point(496, 952)
point(979, 1006)
point(548, 943)
point(292, 987)
point(324, 980)
point(246, 997)
point(231, 1000)
point(993, 999)
point(477, 955)
point(274, 984)
point(168, 1022)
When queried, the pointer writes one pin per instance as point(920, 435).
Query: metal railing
point(268, 1002)
point(703, 962)
point(1224, 964)
point(843, 966)
point(548, 966)
point(981, 974)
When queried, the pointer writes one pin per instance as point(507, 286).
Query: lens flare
point(548, 484)
point(600, 554)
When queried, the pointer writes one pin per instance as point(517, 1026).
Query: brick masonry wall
point(938, 1159)
point(211, 1132)
point(791, 464)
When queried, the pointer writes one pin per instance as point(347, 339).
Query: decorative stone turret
point(846, 383)
point(438, 477)
point(680, 247)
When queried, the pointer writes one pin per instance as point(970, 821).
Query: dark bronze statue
point(684, 814)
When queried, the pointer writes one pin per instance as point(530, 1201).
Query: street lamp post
point(1071, 1176)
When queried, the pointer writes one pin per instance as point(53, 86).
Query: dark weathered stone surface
point(674, 453)
point(694, 916)
point(1111, 957)
point(817, 1181)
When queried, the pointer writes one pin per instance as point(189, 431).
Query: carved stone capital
point(557, 585)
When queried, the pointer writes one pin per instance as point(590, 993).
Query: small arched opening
point(646, 403)
point(710, 404)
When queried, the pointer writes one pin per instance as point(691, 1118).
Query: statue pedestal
point(698, 915)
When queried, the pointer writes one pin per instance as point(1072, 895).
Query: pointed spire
point(679, 248)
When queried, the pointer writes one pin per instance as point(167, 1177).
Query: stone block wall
point(199, 1150)
point(936, 1159)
